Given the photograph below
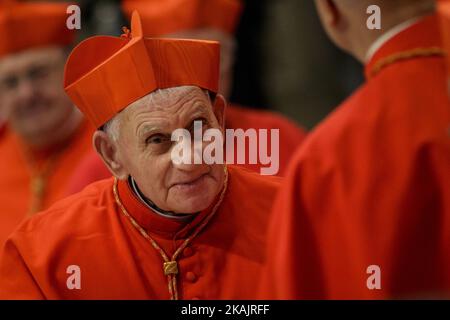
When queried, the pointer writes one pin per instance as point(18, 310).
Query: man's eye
point(202, 121)
point(9, 83)
point(38, 73)
point(156, 139)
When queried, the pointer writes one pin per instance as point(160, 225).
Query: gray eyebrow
point(200, 110)
point(148, 128)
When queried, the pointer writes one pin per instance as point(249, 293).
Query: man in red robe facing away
point(209, 20)
point(365, 212)
point(160, 229)
point(46, 136)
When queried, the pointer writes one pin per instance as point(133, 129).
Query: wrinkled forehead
point(172, 101)
point(31, 57)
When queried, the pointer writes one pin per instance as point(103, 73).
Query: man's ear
point(219, 109)
point(107, 150)
point(330, 12)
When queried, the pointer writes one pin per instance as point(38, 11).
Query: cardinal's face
point(146, 146)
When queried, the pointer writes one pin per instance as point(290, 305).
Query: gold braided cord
point(170, 266)
point(405, 55)
point(39, 182)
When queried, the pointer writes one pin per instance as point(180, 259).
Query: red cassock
point(89, 233)
point(371, 187)
point(92, 169)
point(30, 180)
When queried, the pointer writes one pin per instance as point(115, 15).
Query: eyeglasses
point(37, 75)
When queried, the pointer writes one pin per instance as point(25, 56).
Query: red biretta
point(160, 229)
point(45, 136)
point(365, 211)
point(209, 20)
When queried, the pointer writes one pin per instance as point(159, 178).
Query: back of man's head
point(346, 20)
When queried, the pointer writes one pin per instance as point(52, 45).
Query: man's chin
point(36, 133)
point(39, 127)
point(193, 204)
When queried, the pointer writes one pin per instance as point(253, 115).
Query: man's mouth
point(33, 109)
point(192, 184)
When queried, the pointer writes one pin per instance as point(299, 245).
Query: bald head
point(345, 20)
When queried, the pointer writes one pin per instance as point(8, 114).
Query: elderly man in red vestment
point(45, 136)
point(209, 20)
point(365, 212)
point(160, 229)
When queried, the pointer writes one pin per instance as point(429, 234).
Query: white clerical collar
point(154, 208)
point(377, 44)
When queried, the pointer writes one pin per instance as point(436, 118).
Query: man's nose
point(195, 161)
point(25, 89)
point(186, 167)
